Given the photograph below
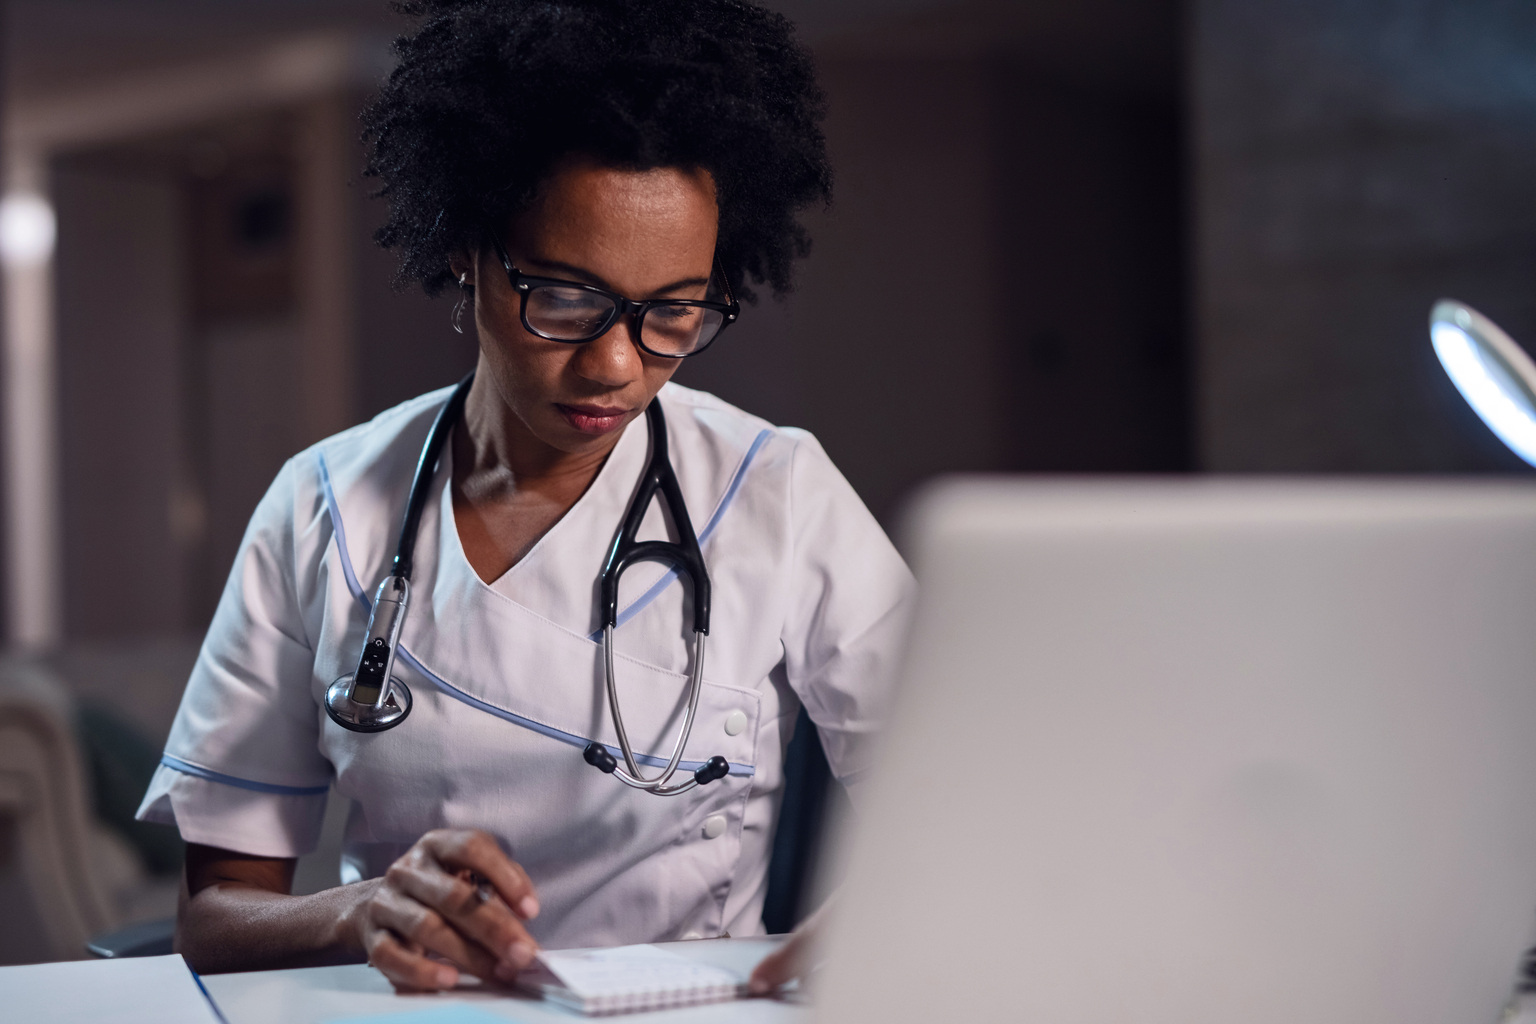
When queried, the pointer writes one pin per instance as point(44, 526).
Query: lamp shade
point(1493, 374)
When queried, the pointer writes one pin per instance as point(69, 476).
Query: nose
point(613, 359)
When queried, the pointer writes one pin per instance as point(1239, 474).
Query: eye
point(569, 301)
point(567, 313)
point(675, 315)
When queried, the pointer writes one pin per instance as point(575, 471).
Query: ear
point(463, 267)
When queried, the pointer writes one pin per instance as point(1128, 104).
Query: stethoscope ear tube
point(599, 757)
point(685, 556)
point(688, 559)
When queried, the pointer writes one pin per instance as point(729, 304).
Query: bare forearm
point(454, 895)
point(233, 926)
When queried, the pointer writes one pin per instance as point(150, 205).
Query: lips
point(593, 419)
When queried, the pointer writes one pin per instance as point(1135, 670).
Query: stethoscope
point(372, 699)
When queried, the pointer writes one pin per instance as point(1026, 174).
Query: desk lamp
point(1492, 373)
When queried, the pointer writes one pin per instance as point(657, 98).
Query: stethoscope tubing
point(447, 418)
point(634, 778)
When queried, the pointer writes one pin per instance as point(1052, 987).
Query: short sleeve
point(242, 769)
point(851, 596)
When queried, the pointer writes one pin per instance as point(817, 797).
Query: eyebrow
point(590, 278)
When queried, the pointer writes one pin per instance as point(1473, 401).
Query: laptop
point(1235, 751)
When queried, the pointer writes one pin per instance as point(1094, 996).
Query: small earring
point(458, 310)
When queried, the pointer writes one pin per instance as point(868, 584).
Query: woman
point(600, 178)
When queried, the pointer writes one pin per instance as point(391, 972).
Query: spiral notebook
point(628, 979)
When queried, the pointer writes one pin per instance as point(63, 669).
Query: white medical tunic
point(810, 601)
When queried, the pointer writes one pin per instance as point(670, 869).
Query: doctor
point(550, 161)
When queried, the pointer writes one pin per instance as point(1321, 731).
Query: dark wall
point(1092, 277)
point(406, 344)
point(887, 351)
point(999, 284)
point(1355, 161)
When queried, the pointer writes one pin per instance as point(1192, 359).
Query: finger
point(457, 849)
point(454, 899)
point(408, 970)
point(783, 965)
point(479, 852)
point(421, 926)
point(796, 957)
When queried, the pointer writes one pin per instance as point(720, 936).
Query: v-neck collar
point(612, 488)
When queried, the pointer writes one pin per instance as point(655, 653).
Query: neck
point(497, 451)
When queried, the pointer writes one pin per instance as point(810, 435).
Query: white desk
point(311, 995)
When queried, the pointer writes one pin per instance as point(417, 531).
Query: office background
point(1069, 236)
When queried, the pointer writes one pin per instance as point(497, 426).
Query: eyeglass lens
point(575, 314)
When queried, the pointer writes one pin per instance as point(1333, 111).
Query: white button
point(735, 722)
point(714, 825)
point(690, 936)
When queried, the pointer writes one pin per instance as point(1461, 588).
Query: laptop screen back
point(1228, 752)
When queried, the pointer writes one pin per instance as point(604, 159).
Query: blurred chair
point(70, 877)
point(808, 787)
point(151, 938)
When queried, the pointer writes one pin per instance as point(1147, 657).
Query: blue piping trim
point(853, 776)
point(709, 528)
point(649, 760)
point(185, 768)
point(341, 532)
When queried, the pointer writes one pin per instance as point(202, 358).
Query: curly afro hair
point(490, 94)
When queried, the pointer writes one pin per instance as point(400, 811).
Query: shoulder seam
point(409, 407)
point(692, 398)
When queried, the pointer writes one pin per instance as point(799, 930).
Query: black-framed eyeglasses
point(575, 313)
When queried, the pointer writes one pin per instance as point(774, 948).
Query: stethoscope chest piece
point(372, 699)
point(372, 716)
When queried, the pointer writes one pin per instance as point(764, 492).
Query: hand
point(795, 958)
point(454, 894)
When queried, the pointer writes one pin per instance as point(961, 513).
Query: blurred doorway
point(218, 305)
point(183, 345)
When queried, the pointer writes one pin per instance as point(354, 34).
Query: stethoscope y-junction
point(372, 699)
